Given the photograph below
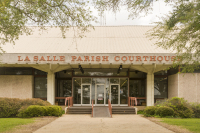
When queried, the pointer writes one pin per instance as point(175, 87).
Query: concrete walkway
point(117, 124)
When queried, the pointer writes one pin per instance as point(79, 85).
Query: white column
point(150, 89)
point(51, 87)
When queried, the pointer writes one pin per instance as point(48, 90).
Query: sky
point(121, 18)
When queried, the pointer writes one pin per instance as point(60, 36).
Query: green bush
point(196, 109)
point(54, 111)
point(180, 106)
point(9, 107)
point(140, 112)
point(36, 111)
point(149, 111)
point(164, 111)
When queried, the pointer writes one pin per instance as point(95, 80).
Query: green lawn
point(9, 123)
point(192, 124)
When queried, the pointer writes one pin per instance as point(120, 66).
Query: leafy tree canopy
point(178, 30)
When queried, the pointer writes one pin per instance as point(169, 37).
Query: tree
point(15, 15)
point(179, 30)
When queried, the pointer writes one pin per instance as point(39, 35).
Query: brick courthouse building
point(109, 63)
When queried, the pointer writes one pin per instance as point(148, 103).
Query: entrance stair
point(79, 110)
point(100, 111)
point(123, 110)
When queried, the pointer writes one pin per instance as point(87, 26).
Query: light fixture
point(81, 69)
point(136, 71)
point(120, 68)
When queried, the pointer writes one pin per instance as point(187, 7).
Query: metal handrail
point(70, 101)
point(131, 101)
point(110, 107)
point(92, 107)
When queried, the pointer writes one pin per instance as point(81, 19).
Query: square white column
point(51, 87)
point(150, 89)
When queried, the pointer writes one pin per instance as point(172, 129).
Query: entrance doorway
point(114, 94)
point(86, 93)
point(100, 97)
point(99, 90)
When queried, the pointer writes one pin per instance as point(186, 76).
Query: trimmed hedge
point(36, 111)
point(150, 111)
point(9, 107)
point(164, 111)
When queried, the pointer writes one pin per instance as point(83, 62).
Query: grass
point(192, 124)
point(7, 124)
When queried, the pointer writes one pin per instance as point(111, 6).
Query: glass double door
point(100, 94)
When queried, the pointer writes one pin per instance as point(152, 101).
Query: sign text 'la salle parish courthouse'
point(98, 58)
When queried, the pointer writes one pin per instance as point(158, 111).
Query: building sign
point(88, 58)
point(98, 58)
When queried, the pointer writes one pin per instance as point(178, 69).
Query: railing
point(69, 100)
point(92, 107)
point(131, 101)
point(110, 107)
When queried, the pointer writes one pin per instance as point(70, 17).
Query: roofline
point(104, 26)
point(88, 53)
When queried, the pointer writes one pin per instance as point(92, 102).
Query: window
point(123, 91)
point(40, 89)
point(100, 72)
point(137, 74)
point(15, 71)
point(160, 88)
point(137, 88)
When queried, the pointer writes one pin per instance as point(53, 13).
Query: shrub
point(53, 111)
point(196, 109)
point(140, 112)
point(180, 106)
point(34, 101)
point(9, 107)
point(36, 111)
point(149, 111)
point(164, 111)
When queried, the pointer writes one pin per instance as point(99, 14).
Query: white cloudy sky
point(121, 18)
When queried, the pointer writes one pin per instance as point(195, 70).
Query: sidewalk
point(117, 124)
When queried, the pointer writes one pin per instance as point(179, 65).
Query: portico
point(92, 64)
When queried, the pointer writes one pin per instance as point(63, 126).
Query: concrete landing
point(101, 112)
point(117, 124)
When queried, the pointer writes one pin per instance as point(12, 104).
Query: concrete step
point(123, 110)
point(79, 110)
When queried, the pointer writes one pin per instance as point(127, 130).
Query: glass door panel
point(114, 94)
point(100, 94)
point(77, 90)
point(86, 94)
